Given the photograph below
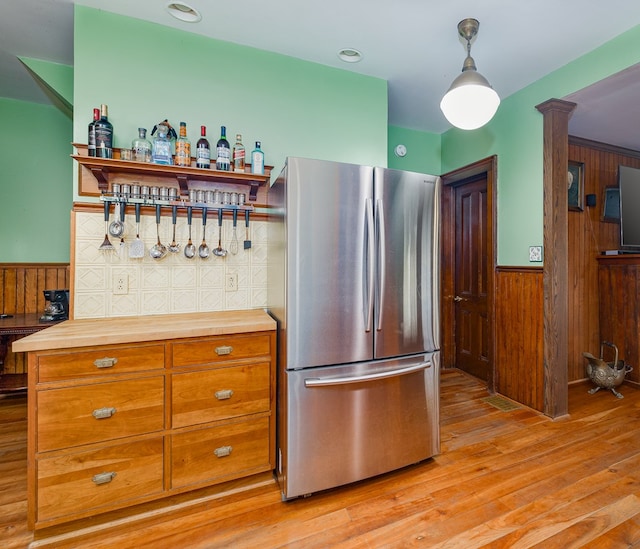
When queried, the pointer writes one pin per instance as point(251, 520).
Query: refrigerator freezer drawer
point(341, 424)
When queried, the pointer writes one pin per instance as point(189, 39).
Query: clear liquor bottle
point(257, 160)
point(223, 150)
point(238, 154)
point(203, 150)
point(141, 147)
point(161, 151)
point(183, 147)
point(104, 135)
point(91, 142)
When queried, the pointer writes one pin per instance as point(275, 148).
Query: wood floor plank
point(503, 480)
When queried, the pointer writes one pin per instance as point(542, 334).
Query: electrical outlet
point(120, 284)
point(231, 282)
point(535, 254)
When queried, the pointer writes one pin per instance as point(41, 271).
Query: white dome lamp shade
point(471, 101)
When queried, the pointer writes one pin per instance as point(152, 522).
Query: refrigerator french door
point(353, 284)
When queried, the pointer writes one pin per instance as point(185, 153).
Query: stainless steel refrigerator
point(353, 283)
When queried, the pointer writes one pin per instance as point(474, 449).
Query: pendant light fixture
point(471, 101)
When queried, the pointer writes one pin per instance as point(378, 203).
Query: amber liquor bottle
point(183, 147)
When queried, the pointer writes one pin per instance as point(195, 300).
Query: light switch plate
point(535, 254)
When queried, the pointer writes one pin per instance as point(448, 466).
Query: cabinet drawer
point(80, 482)
point(92, 413)
point(220, 348)
point(114, 359)
point(212, 395)
point(220, 453)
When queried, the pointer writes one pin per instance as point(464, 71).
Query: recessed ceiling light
point(350, 55)
point(184, 12)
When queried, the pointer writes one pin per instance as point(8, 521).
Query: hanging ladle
point(219, 251)
point(173, 247)
point(158, 250)
point(116, 227)
point(203, 250)
point(189, 249)
point(106, 243)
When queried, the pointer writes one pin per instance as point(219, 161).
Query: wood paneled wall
point(519, 368)
point(588, 237)
point(21, 285)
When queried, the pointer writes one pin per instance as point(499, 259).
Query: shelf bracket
point(253, 190)
point(182, 181)
point(101, 177)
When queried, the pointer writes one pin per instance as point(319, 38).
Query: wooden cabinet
point(619, 308)
point(146, 416)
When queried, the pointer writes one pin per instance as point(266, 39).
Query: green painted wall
point(515, 136)
point(294, 107)
point(423, 150)
point(58, 77)
point(36, 189)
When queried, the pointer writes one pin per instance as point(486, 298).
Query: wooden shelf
point(105, 170)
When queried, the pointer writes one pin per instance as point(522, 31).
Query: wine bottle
point(257, 160)
point(141, 147)
point(203, 151)
point(104, 135)
point(183, 147)
point(223, 151)
point(238, 154)
point(91, 143)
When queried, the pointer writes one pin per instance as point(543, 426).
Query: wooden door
point(470, 278)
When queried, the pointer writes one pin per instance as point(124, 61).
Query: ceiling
point(413, 44)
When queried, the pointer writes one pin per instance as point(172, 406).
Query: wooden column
point(555, 270)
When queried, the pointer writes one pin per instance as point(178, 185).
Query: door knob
point(457, 299)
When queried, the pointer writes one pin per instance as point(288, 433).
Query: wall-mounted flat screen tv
point(629, 183)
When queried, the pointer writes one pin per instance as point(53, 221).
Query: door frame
point(450, 180)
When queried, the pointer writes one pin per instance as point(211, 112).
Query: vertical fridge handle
point(382, 258)
point(368, 205)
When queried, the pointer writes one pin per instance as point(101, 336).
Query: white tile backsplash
point(170, 285)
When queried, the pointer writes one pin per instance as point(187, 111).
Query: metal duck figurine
point(606, 375)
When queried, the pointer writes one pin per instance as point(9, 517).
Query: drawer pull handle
point(223, 451)
point(224, 394)
point(103, 413)
point(224, 350)
point(103, 478)
point(105, 362)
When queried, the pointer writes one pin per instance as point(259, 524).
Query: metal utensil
point(106, 245)
point(247, 242)
point(173, 247)
point(116, 227)
point(158, 250)
point(189, 249)
point(136, 250)
point(203, 250)
point(123, 207)
point(233, 245)
point(220, 251)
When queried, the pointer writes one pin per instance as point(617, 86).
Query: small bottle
point(104, 135)
point(91, 143)
point(141, 147)
point(257, 160)
point(223, 150)
point(203, 151)
point(161, 150)
point(183, 147)
point(238, 154)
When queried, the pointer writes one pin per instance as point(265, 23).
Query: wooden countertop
point(107, 331)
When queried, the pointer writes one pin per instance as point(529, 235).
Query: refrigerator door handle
point(382, 258)
point(328, 381)
point(369, 263)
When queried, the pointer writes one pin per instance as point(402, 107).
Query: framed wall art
point(575, 184)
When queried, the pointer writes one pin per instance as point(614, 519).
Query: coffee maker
point(57, 307)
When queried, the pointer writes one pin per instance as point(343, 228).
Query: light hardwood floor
point(504, 479)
